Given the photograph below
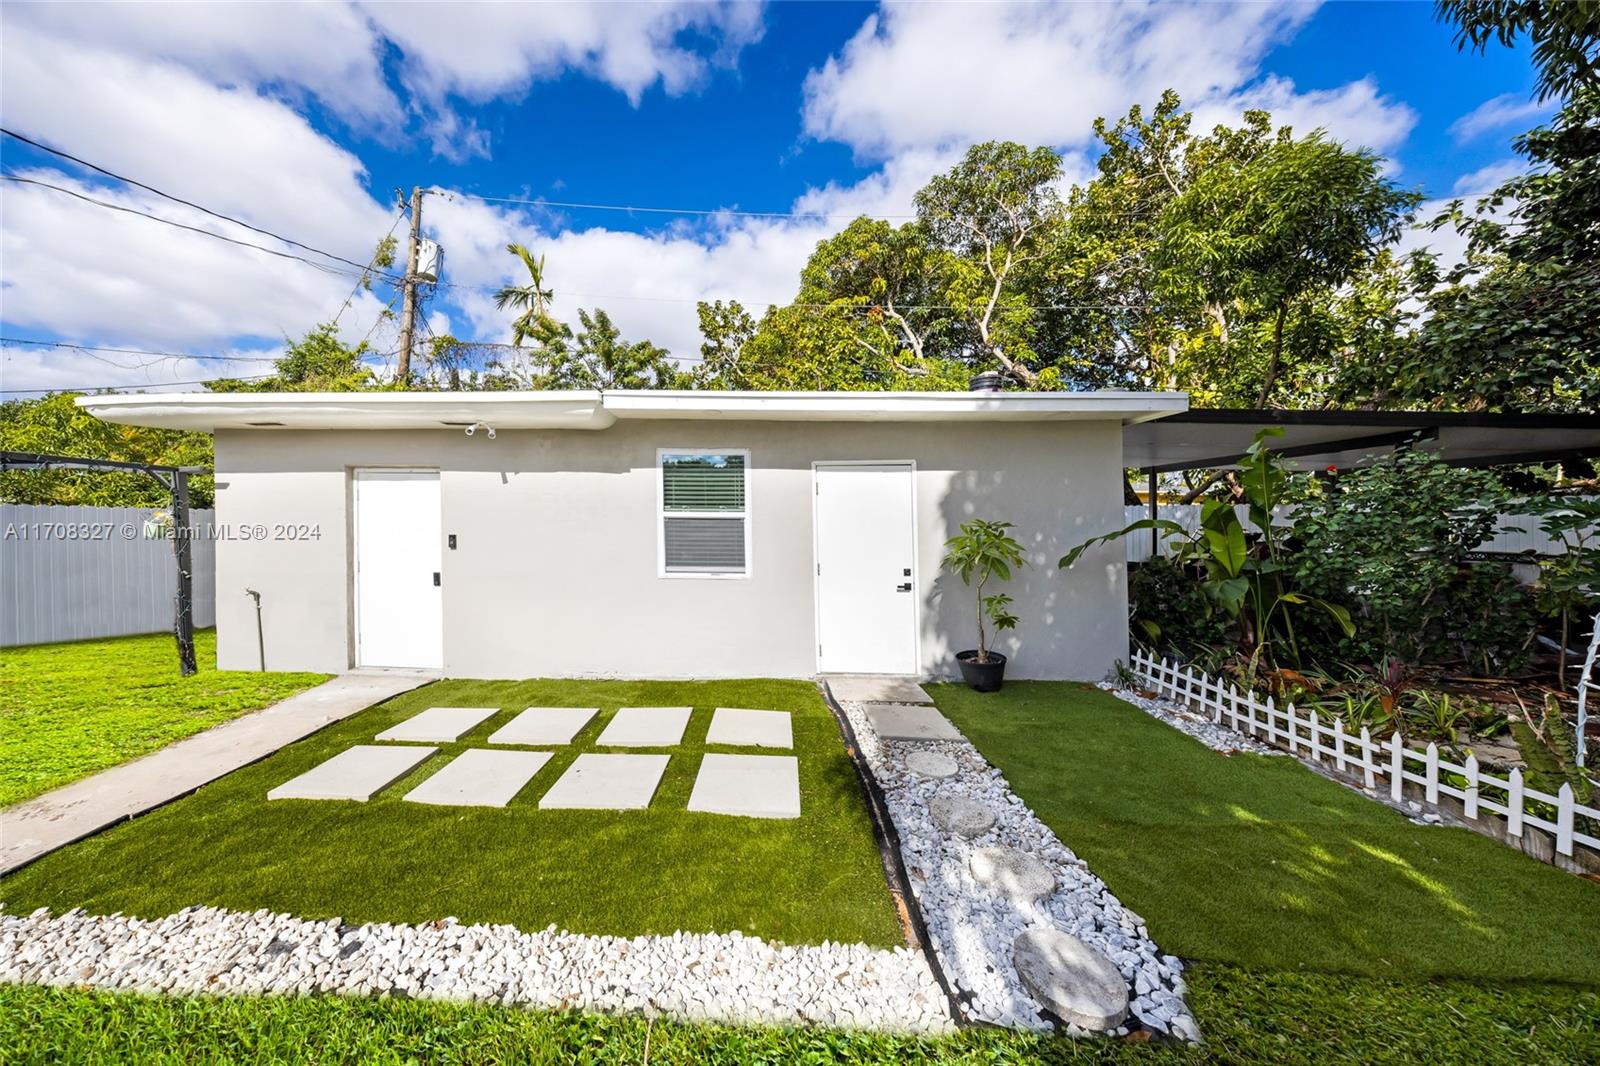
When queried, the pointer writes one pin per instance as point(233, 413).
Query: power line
point(179, 200)
point(139, 385)
point(167, 221)
point(139, 351)
point(635, 209)
point(348, 300)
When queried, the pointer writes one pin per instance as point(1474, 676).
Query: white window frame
point(661, 518)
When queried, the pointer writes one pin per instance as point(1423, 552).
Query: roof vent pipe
point(988, 381)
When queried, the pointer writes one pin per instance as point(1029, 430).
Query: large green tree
point(995, 212)
point(317, 362)
point(1565, 36)
point(55, 425)
point(1514, 325)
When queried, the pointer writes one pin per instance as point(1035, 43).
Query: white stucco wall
point(555, 573)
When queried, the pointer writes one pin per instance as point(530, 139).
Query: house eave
point(594, 410)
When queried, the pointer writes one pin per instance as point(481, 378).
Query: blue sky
point(304, 119)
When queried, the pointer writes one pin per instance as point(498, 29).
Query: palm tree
point(532, 299)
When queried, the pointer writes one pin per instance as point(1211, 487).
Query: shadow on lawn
point(1256, 861)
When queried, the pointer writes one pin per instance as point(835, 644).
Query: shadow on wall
point(1071, 624)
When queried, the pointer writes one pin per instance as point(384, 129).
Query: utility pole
point(408, 308)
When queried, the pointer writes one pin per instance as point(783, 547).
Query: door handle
point(436, 579)
point(903, 588)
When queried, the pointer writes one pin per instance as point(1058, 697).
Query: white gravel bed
point(1199, 726)
point(699, 977)
point(973, 928)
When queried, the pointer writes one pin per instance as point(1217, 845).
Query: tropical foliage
point(984, 550)
point(1246, 577)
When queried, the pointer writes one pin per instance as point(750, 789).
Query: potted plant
point(980, 551)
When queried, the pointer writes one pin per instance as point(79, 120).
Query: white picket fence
point(1387, 763)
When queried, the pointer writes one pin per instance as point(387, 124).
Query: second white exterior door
point(399, 596)
point(866, 568)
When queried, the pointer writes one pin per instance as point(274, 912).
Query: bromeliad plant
point(982, 550)
point(1247, 577)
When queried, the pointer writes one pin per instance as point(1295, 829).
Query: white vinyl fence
point(1518, 533)
point(1507, 803)
point(74, 573)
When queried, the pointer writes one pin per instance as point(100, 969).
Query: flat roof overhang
point(593, 410)
point(1211, 438)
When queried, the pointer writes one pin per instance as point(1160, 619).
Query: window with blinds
point(704, 524)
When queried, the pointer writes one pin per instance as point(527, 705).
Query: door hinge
point(819, 569)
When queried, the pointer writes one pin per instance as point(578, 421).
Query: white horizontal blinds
point(703, 513)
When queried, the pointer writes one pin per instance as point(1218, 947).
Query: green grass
point(1257, 862)
point(628, 872)
point(1284, 1020)
point(68, 710)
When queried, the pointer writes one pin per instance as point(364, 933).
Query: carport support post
point(182, 549)
point(1154, 508)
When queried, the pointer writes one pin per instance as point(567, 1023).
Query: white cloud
point(480, 51)
point(935, 75)
point(1486, 179)
point(1355, 113)
point(327, 50)
point(1507, 109)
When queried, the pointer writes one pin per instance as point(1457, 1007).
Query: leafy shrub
point(1488, 619)
point(1391, 538)
point(1169, 608)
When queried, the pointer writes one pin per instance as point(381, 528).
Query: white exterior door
point(398, 557)
point(866, 568)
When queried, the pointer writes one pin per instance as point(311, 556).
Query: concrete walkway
point(74, 811)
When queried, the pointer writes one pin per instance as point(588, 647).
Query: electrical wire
point(634, 209)
point(348, 300)
point(141, 385)
point(138, 351)
point(180, 200)
point(167, 221)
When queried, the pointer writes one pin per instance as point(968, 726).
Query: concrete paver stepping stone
point(867, 688)
point(353, 774)
point(607, 783)
point(935, 764)
point(756, 786)
point(480, 778)
point(754, 729)
point(898, 721)
point(960, 815)
point(1012, 873)
point(1076, 982)
point(438, 725)
point(645, 727)
point(538, 726)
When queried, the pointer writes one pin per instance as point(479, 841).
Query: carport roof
point(1314, 440)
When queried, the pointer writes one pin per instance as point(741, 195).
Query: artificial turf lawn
point(1255, 861)
point(1282, 1020)
point(68, 710)
point(600, 872)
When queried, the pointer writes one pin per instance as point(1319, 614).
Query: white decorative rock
point(1078, 984)
point(1013, 873)
point(959, 815)
point(931, 764)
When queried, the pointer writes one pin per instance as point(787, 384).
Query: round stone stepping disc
point(931, 764)
point(957, 814)
point(1013, 873)
point(1076, 982)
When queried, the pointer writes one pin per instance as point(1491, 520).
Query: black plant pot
point(983, 677)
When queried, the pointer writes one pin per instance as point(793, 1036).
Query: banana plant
point(1245, 576)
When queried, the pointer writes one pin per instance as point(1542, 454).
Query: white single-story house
point(654, 534)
